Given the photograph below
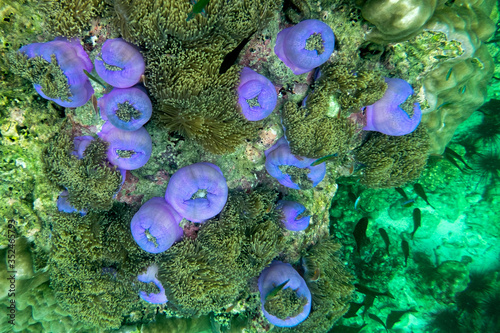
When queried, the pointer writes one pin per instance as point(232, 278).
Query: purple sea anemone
point(198, 191)
point(386, 116)
point(150, 276)
point(127, 109)
point(293, 215)
point(127, 150)
point(275, 275)
point(155, 226)
point(290, 171)
point(305, 46)
point(256, 95)
point(120, 63)
point(72, 60)
point(63, 204)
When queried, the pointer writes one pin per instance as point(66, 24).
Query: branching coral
point(91, 184)
point(392, 161)
point(209, 273)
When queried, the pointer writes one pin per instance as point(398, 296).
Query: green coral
point(330, 285)
point(90, 182)
point(285, 304)
point(69, 18)
point(210, 273)
point(150, 22)
point(392, 161)
point(322, 128)
point(94, 280)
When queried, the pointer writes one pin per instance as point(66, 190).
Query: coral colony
point(195, 165)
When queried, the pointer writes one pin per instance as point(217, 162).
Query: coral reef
point(330, 287)
point(209, 273)
point(321, 127)
point(392, 161)
point(93, 281)
point(91, 184)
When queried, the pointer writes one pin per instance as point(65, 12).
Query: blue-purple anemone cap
point(198, 191)
point(128, 150)
point(72, 60)
point(63, 204)
point(279, 157)
point(155, 226)
point(150, 276)
point(273, 276)
point(127, 109)
point(305, 46)
point(256, 95)
point(120, 63)
point(293, 218)
point(386, 116)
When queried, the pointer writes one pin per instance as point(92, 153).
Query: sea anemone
point(128, 150)
point(289, 305)
point(120, 63)
point(198, 191)
point(305, 46)
point(386, 115)
point(155, 226)
point(256, 95)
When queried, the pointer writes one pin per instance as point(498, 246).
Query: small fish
point(360, 233)
point(406, 250)
point(402, 192)
point(452, 160)
point(324, 159)
point(276, 290)
point(231, 57)
point(385, 237)
point(396, 316)
point(356, 203)
point(417, 218)
point(353, 309)
point(269, 208)
point(94, 104)
point(462, 91)
point(439, 57)
point(408, 203)
point(198, 8)
point(421, 193)
point(230, 308)
point(317, 274)
point(93, 78)
point(377, 319)
point(443, 105)
point(369, 291)
point(449, 73)
point(455, 155)
point(143, 80)
point(368, 303)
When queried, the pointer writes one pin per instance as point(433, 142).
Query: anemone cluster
point(199, 244)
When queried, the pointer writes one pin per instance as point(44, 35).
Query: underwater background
point(362, 182)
